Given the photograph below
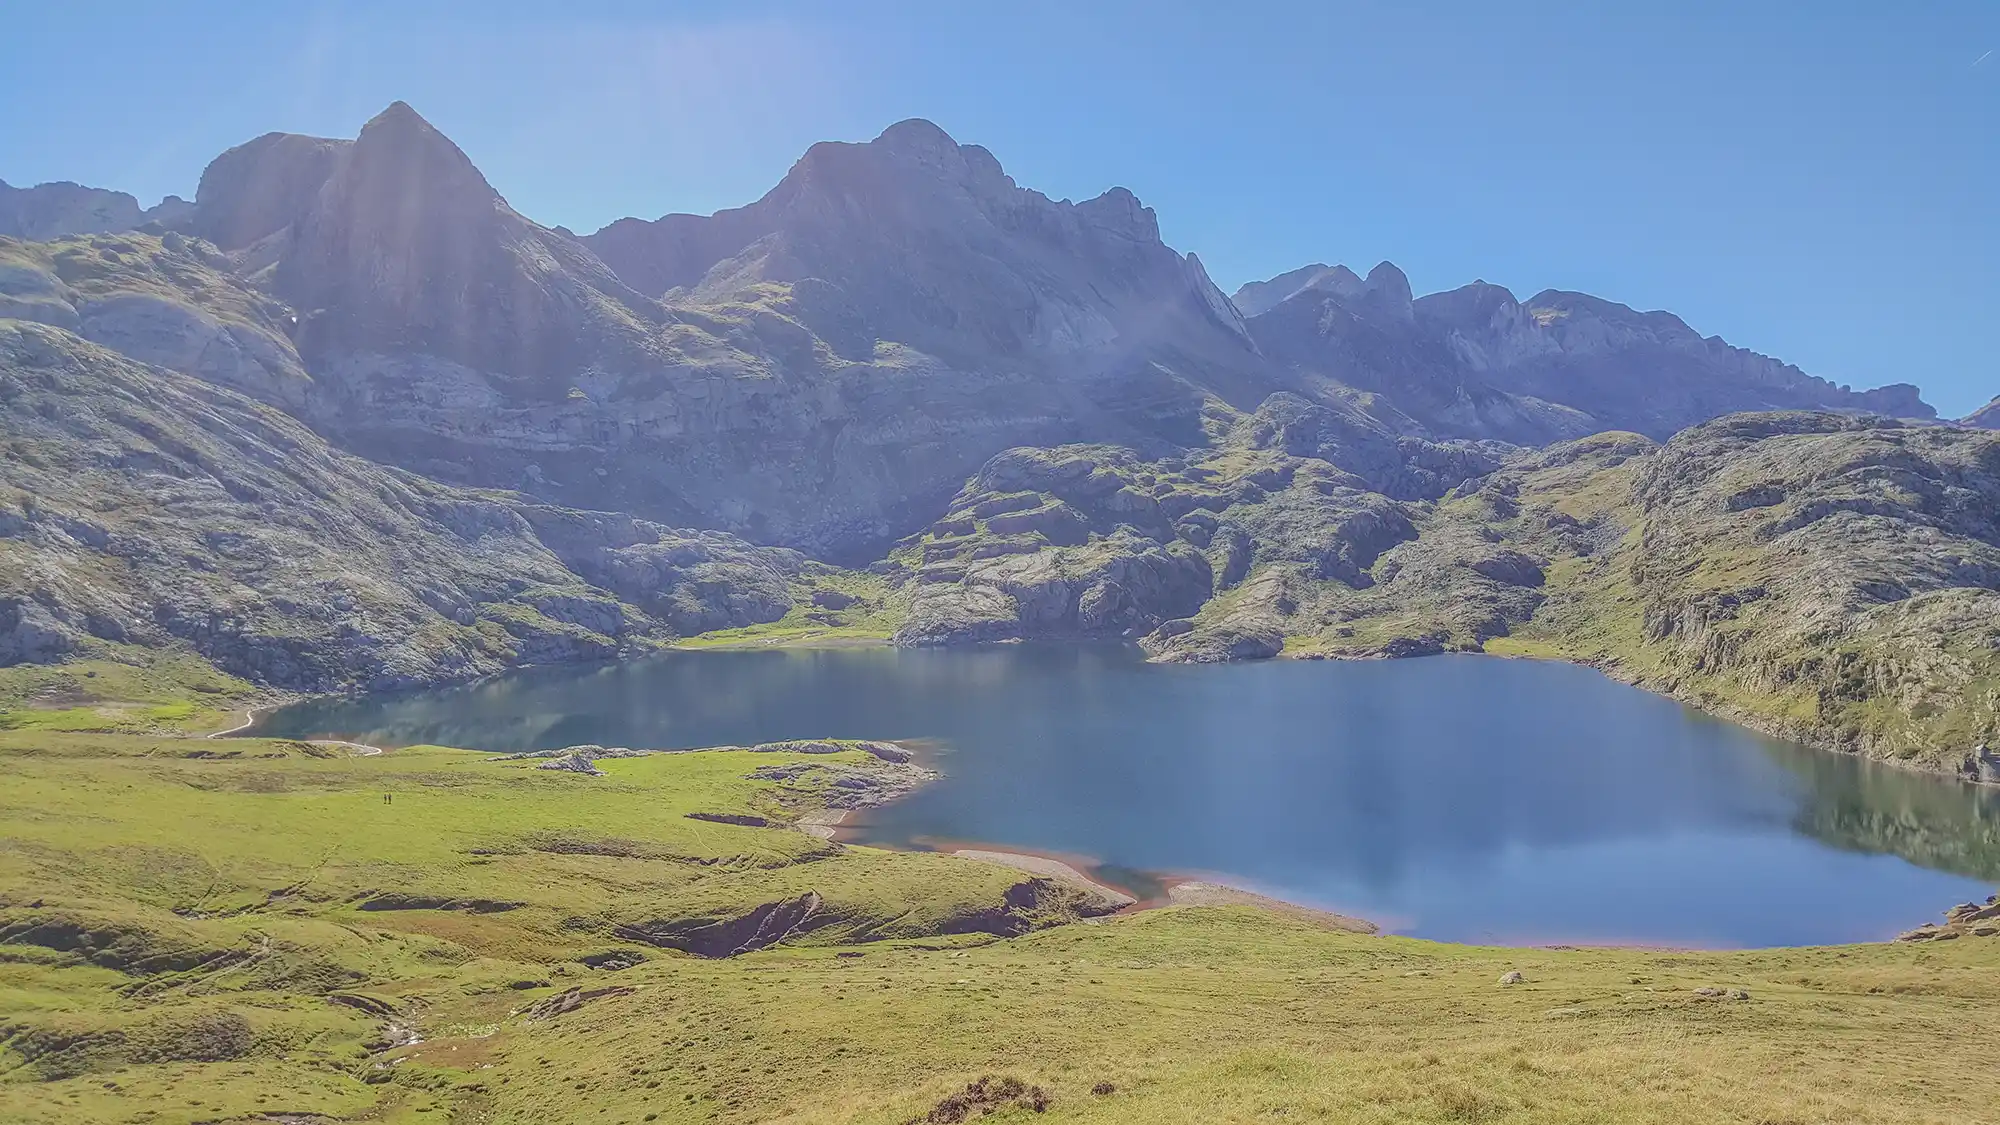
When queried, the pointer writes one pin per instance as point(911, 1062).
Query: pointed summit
point(1389, 290)
point(400, 151)
point(406, 246)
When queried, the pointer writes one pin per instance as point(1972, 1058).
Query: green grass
point(182, 939)
point(873, 617)
point(124, 690)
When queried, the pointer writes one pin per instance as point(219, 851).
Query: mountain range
point(350, 419)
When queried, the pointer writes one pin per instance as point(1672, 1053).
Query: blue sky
point(1819, 181)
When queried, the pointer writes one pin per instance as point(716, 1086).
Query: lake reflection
point(1464, 798)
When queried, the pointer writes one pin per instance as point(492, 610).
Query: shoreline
point(251, 714)
point(1609, 669)
point(1174, 889)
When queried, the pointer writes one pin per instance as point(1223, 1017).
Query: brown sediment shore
point(1196, 892)
point(823, 824)
point(1048, 867)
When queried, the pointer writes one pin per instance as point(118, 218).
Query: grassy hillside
point(1829, 579)
point(260, 930)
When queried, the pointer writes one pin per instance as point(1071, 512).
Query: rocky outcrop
point(1065, 542)
point(1986, 417)
point(160, 299)
point(1967, 919)
point(261, 188)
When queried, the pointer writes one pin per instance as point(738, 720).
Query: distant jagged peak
point(1385, 292)
point(1552, 306)
point(1258, 297)
point(911, 154)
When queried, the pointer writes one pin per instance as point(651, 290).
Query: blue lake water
point(1463, 798)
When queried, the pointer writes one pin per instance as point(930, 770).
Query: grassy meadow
point(254, 931)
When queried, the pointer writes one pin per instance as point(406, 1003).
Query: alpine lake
point(1461, 798)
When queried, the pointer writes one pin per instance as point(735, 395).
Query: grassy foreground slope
point(264, 931)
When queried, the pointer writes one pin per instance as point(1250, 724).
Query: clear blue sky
point(1820, 181)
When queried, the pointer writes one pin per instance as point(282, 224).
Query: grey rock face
point(1063, 542)
point(261, 187)
point(929, 243)
point(406, 240)
point(1403, 467)
point(139, 507)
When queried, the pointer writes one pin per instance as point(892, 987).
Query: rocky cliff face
point(143, 510)
point(1475, 362)
point(829, 365)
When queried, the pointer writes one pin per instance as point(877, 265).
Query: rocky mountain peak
point(1389, 290)
point(400, 153)
point(1470, 307)
point(915, 238)
point(262, 186)
point(1987, 417)
point(405, 248)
